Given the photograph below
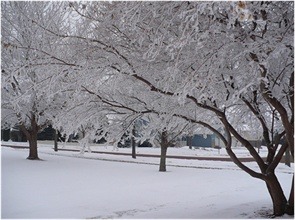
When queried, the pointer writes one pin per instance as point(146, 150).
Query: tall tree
point(198, 54)
point(30, 67)
point(221, 65)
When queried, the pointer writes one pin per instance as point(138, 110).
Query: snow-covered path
point(70, 187)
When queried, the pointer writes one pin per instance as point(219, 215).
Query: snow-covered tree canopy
point(217, 64)
point(32, 73)
point(227, 67)
point(217, 55)
point(220, 65)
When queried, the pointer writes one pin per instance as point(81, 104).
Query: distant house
point(201, 140)
point(212, 140)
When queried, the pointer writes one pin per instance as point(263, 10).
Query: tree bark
point(33, 154)
point(190, 142)
point(287, 158)
point(290, 204)
point(164, 147)
point(133, 144)
point(55, 140)
point(31, 135)
point(280, 205)
point(133, 150)
point(277, 195)
point(162, 167)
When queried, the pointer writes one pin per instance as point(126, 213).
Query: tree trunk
point(31, 135)
point(277, 195)
point(287, 157)
point(133, 151)
point(162, 167)
point(133, 144)
point(55, 140)
point(290, 205)
point(164, 145)
point(33, 155)
point(190, 142)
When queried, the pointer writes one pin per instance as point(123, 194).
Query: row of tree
point(223, 67)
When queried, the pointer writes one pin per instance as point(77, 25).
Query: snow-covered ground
point(70, 185)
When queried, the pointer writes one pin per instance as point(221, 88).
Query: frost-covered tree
point(164, 131)
point(226, 66)
point(231, 62)
point(31, 68)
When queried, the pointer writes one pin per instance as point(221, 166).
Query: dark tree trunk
point(190, 141)
point(133, 144)
point(31, 135)
point(164, 146)
point(133, 150)
point(162, 167)
point(55, 140)
point(288, 158)
point(273, 185)
point(33, 154)
point(277, 195)
point(290, 205)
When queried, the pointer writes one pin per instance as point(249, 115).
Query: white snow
point(70, 185)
